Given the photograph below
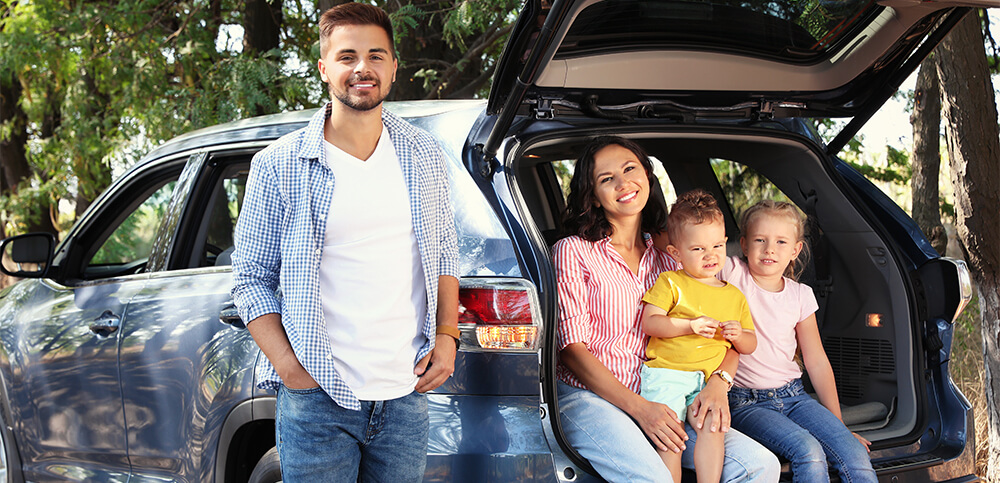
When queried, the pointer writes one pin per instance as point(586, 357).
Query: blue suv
point(122, 357)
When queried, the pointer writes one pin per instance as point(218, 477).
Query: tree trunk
point(261, 34)
point(261, 26)
point(926, 160)
point(92, 173)
point(12, 147)
point(973, 140)
point(13, 155)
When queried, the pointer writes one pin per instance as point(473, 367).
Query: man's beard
point(357, 103)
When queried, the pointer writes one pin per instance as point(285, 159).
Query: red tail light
point(498, 314)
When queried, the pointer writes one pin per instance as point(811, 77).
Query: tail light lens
point(498, 314)
point(964, 285)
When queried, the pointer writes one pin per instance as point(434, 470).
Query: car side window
point(130, 244)
point(743, 187)
point(206, 237)
point(225, 210)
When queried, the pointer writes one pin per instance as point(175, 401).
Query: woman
point(602, 272)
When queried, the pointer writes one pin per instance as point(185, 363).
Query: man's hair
point(353, 14)
point(693, 207)
point(582, 218)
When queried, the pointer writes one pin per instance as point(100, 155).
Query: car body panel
point(172, 338)
point(66, 378)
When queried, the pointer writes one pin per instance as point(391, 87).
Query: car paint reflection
point(172, 336)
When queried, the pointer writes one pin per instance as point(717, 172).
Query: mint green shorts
point(676, 389)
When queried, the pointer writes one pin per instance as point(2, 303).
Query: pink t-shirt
point(775, 315)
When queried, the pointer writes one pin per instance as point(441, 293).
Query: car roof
point(263, 129)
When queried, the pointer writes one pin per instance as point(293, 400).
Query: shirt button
point(329, 184)
point(329, 357)
point(319, 251)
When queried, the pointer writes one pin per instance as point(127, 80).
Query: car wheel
point(268, 469)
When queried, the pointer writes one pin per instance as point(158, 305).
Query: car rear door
point(683, 60)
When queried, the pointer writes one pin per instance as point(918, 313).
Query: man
point(350, 216)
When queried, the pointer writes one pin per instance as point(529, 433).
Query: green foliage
point(896, 170)
point(446, 46)
point(406, 19)
point(103, 82)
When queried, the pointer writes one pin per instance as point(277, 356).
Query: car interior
point(865, 320)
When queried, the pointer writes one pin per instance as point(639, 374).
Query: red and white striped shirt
point(599, 304)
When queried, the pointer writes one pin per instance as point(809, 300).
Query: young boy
point(692, 319)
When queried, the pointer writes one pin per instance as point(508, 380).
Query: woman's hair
point(788, 211)
point(694, 207)
point(584, 218)
point(353, 14)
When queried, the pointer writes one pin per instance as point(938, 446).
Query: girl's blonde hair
point(781, 209)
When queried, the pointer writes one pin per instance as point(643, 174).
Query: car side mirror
point(27, 256)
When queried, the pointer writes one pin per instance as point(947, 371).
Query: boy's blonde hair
point(780, 209)
point(694, 207)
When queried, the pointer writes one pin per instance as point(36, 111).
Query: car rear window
point(790, 30)
point(484, 247)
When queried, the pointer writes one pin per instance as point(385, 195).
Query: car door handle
point(231, 316)
point(106, 324)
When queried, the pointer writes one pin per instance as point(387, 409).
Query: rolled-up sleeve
point(257, 253)
point(571, 286)
point(448, 264)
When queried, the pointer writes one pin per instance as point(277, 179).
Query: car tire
point(268, 469)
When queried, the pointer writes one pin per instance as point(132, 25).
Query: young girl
point(768, 402)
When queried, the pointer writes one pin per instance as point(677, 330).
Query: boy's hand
point(731, 330)
point(704, 326)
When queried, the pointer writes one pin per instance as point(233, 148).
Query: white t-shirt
point(775, 315)
point(371, 279)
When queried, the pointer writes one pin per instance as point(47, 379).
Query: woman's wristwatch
point(725, 377)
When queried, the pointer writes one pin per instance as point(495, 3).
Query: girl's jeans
point(794, 425)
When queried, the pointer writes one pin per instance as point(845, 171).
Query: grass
point(966, 368)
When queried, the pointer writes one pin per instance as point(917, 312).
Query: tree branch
point(491, 35)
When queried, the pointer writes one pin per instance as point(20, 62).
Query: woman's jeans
point(794, 425)
point(323, 442)
point(619, 451)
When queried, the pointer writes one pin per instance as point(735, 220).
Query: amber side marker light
point(498, 315)
point(874, 320)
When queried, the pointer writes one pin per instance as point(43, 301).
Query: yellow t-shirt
point(684, 297)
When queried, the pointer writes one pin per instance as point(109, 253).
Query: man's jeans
point(794, 425)
point(618, 449)
point(323, 442)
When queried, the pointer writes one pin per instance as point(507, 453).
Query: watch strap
point(724, 376)
point(452, 332)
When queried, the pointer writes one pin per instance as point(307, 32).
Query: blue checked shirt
point(280, 232)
